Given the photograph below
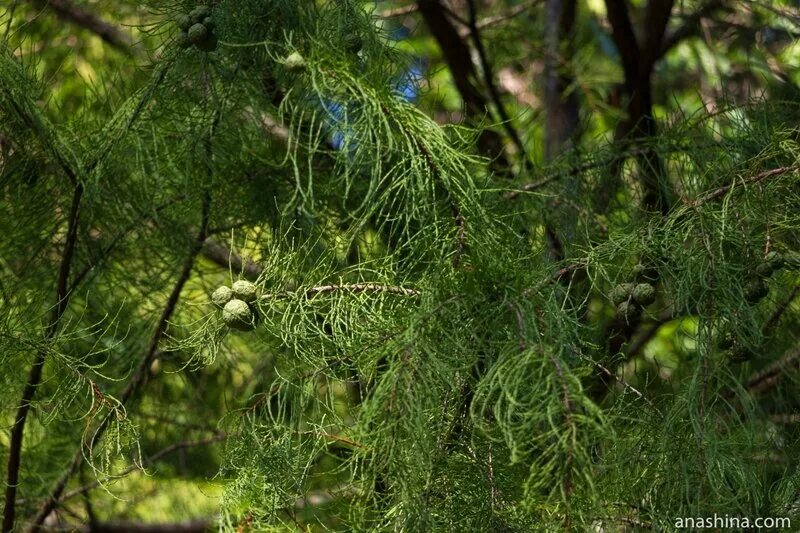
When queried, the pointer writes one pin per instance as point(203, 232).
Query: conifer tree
point(254, 275)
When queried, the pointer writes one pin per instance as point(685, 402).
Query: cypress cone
point(644, 294)
point(628, 311)
point(221, 296)
point(238, 315)
point(621, 292)
point(756, 290)
point(244, 290)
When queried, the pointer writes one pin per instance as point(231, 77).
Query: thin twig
point(355, 288)
point(488, 79)
point(515, 11)
point(625, 384)
point(116, 240)
point(761, 176)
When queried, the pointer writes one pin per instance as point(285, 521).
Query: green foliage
point(287, 286)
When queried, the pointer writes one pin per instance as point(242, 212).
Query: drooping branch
point(141, 373)
point(147, 462)
point(35, 375)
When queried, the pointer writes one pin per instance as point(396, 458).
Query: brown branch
point(398, 11)
point(624, 39)
point(352, 288)
point(459, 61)
point(575, 170)
point(361, 287)
point(490, 21)
point(785, 418)
point(625, 384)
point(227, 258)
point(190, 526)
point(639, 342)
point(80, 16)
point(780, 310)
point(761, 176)
point(772, 375)
point(456, 54)
point(656, 18)
point(35, 375)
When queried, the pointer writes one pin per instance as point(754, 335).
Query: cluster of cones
point(236, 303)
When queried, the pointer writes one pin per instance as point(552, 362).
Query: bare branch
point(399, 11)
point(354, 288)
point(189, 526)
point(772, 375)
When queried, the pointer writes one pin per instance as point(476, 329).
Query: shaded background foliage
point(438, 202)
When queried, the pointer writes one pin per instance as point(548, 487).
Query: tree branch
point(771, 376)
point(227, 258)
point(690, 26)
point(761, 176)
point(655, 22)
point(459, 62)
point(488, 80)
point(68, 11)
point(189, 526)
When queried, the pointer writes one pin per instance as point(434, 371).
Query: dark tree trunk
point(561, 104)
